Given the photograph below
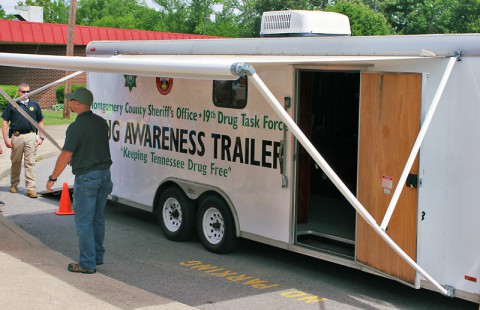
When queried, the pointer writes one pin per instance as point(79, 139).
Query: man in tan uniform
point(22, 138)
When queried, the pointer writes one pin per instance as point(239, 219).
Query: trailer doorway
point(328, 113)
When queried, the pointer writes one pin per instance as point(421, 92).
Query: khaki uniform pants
point(24, 146)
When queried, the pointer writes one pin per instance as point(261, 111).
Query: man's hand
point(8, 143)
point(39, 141)
point(49, 185)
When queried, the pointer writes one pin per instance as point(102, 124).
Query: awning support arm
point(28, 117)
point(68, 77)
point(418, 142)
point(277, 107)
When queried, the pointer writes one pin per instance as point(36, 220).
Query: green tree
point(3, 15)
point(468, 17)
point(193, 16)
point(200, 14)
point(225, 23)
point(237, 18)
point(372, 4)
point(243, 16)
point(363, 20)
point(317, 4)
point(174, 15)
point(432, 16)
point(129, 14)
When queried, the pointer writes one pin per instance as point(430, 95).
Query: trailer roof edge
point(413, 45)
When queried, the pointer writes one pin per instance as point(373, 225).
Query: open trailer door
point(389, 124)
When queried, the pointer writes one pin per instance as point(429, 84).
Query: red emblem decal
point(164, 85)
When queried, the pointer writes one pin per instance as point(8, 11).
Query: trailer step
point(327, 243)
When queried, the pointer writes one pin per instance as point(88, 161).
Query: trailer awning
point(178, 66)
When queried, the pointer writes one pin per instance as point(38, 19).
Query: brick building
point(51, 39)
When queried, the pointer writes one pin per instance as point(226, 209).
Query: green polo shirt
point(87, 139)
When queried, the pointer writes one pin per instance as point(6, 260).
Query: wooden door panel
point(389, 125)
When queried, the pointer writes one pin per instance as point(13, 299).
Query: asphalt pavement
point(33, 276)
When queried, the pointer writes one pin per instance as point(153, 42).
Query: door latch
point(412, 180)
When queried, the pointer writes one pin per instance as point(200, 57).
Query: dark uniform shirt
point(87, 139)
point(17, 121)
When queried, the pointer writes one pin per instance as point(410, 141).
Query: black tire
point(176, 214)
point(215, 226)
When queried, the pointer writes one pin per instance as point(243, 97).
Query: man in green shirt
point(86, 148)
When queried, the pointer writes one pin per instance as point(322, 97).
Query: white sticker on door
point(387, 184)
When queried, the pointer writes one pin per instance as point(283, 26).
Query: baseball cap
point(81, 94)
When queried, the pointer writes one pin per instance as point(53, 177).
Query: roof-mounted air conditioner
point(304, 23)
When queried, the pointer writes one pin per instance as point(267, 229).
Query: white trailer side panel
point(450, 187)
point(255, 186)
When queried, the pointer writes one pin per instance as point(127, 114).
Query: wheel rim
point(213, 226)
point(172, 214)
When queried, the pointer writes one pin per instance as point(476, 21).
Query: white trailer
point(356, 150)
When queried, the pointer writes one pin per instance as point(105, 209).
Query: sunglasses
point(24, 91)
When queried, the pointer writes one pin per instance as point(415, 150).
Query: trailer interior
point(328, 113)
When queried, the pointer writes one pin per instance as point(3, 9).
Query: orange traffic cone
point(65, 208)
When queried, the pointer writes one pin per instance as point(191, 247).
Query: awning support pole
point(25, 114)
point(277, 107)
point(68, 77)
point(418, 143)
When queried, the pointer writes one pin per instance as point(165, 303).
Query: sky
point(9, 5)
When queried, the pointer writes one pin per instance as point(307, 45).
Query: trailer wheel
point(176, 214)
point(215, 226)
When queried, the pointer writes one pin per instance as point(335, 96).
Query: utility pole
point(70, 36)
